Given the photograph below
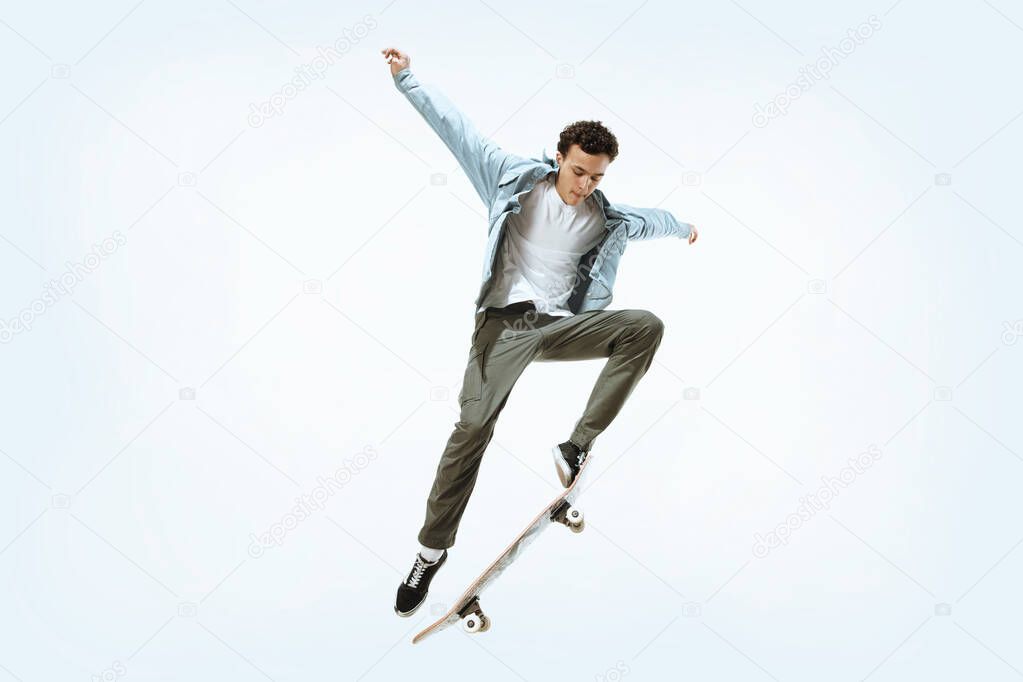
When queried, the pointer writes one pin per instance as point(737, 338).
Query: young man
point(553, 249)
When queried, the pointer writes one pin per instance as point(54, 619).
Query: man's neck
point(558, 190)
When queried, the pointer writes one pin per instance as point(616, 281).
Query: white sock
point(429, 554)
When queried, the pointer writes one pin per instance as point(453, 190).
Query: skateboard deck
point(558, 510)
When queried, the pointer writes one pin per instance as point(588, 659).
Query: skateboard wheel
point(573, 518)
point(475, 622)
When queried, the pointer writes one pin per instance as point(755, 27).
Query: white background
point(314, 289)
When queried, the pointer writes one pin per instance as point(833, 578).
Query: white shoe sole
point(406, 614)
point(564, 471)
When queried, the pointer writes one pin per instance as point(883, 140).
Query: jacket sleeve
point(651, 223)
point(482, 160)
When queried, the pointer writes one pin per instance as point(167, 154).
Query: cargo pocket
point(472, 382)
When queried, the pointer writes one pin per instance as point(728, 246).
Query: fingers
point(394, 55)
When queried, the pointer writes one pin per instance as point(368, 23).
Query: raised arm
point(653, 223)
point(482, 160)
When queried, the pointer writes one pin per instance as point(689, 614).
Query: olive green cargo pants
point(504, 341)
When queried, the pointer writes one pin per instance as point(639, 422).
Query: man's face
point(579, 173)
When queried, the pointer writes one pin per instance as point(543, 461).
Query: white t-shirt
point(541, 249)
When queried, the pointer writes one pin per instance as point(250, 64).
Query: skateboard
point(467, 607)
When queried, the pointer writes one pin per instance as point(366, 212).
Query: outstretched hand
point(396, 58)
point(693, 234)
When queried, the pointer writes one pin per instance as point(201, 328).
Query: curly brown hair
point(591, 136)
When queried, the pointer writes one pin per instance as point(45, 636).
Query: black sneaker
point(412, 592)
point(568, 458)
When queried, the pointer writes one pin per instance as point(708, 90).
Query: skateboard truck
point(569, 516)
point(473, 618)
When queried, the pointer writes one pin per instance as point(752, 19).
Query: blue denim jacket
point(500, 177)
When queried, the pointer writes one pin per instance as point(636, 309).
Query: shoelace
point(580, 455)
point(417, 572)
